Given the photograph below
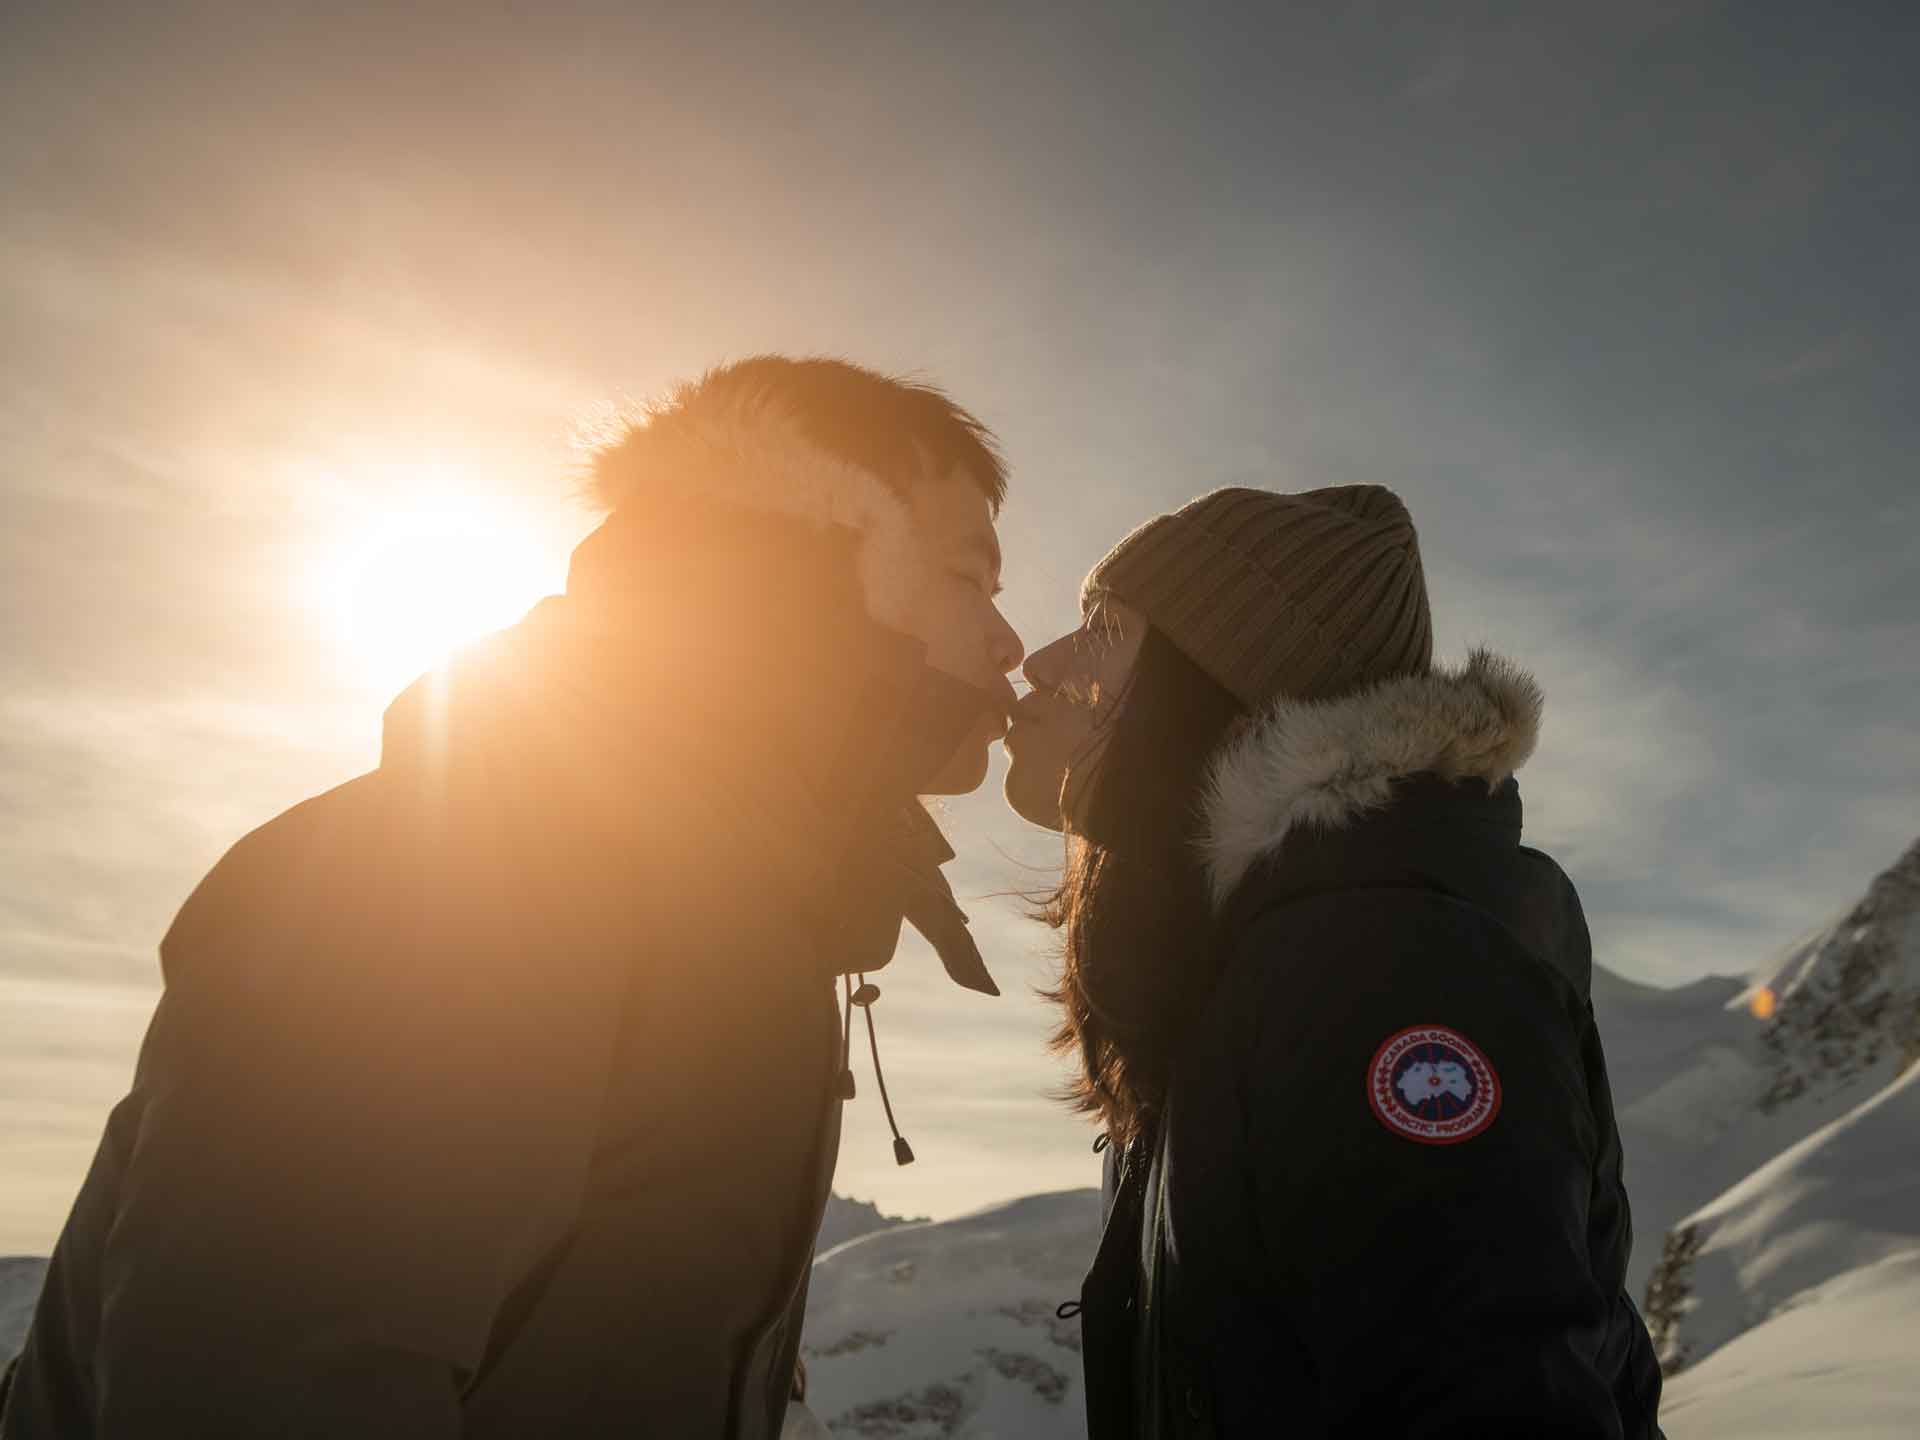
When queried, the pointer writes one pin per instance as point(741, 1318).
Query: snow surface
point(845, 1219)
point(1841, 1362)
point(949, 1330)
point(1850, 996)
point(1705, 1093)
point(1689, 1069)
point(1844, 1199)
point(802, 1424)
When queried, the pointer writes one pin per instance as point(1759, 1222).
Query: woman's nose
point(1042, 667)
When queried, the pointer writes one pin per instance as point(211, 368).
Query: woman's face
point(1059, 727)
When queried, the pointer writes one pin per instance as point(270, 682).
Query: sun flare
point(424, 582)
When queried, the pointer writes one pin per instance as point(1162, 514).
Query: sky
point(1620, 299)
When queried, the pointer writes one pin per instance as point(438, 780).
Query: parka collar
point(743, 451)
point(1325, 764)
point(893, 871)
point(840, 832)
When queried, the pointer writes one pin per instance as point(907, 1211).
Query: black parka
point(1386, 1197)
point(497, 1092)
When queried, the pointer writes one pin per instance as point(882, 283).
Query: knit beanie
point(1306, 596)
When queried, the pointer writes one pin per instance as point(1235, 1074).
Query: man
point(497, 1092)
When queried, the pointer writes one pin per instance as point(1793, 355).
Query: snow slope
point(1850, 996)
point(1706, 1094)
point(847, 1219)
point(1689, 1071)
point(1842, 1362)
point(1800, 1275)
point(942, 1332)
point(948, 1329)
point(1845, 1199)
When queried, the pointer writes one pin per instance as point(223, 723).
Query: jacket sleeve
point(1421, 1150)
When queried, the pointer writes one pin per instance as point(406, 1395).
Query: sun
point(423, 582)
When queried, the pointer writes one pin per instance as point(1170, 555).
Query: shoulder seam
point(1279, 907)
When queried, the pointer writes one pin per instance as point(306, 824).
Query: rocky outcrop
point(1849, 998)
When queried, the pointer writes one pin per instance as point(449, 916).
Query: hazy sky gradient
point(1620, 298)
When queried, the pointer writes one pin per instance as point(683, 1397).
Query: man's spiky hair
point(898, 431)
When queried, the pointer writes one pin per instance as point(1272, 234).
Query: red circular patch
point(1431, 1084)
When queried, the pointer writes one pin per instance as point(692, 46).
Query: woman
point(1364, 1177)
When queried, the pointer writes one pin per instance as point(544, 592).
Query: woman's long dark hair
point(1132, 906)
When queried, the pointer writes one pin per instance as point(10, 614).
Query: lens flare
point(423, 583)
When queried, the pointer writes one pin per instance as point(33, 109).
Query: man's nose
point(1008, 648)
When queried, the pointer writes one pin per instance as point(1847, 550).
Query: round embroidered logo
point(1432, 1084)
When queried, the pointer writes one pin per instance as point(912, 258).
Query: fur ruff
point(1325, 763)
point(742, 448)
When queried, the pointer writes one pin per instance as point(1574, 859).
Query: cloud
point(66, 1056)
point(1610, 295)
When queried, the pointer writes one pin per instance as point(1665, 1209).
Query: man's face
point(965, 633)
point(1078, 680)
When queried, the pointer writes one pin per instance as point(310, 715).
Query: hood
point(1406, 785)
point(1325, 764)
point(738, 447)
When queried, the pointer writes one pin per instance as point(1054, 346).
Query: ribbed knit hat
point(1306, 596)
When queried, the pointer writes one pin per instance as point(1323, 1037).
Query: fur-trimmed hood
point(1325, 763)
point(731, 442)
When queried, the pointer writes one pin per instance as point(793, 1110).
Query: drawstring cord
point(864, 998)
point(846, 1044)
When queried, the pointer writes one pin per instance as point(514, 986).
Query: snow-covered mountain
point(1845, 1199)
point(949, 1330)
point(1849, 1011)
point(1706, 1093)
point(1839, 1363)
point(1774, 1170)
point(848, 1219)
